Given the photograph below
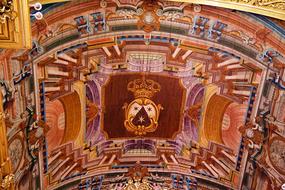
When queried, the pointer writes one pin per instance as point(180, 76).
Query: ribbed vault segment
point(71, 104)
point(215, 110)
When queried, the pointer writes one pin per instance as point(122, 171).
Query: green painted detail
point(61, 41)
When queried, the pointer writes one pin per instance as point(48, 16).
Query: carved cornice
point(271, 8)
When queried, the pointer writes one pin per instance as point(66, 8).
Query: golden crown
point(143, 88)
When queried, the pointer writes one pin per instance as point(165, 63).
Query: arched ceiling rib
point(268, 8)
point(241, 47)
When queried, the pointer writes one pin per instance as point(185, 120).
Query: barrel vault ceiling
point(153, 95)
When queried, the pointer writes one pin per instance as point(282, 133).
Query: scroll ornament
point(7, 11)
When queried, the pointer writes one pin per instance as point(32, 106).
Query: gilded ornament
point(2, 115)
point(272, 8)
point(264, 3)
point(149, 19)
point(14, 15)
point(103, 4)
point(142, 113)
point(8, 181)
point(144, 185)
point(138, 178)
point(197, 8)
point(6, 11)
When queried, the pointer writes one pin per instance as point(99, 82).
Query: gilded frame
point(15, 33)
point(269, 8)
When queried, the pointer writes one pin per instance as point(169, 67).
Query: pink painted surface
point(233, 119)
point(56, 121)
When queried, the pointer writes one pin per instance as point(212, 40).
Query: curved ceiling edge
point(263, 7)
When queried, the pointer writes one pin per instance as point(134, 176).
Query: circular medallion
point(16, 152)
point(197, 8)
point(249, 133)
point(277, 153)
point(148, 18)
point(142, 115)
point(103, 4)
point(159, 12)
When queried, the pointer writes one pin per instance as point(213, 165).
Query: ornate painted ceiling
point(131, 94)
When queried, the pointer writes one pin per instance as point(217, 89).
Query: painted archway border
point(72, 107)
point(214, 107)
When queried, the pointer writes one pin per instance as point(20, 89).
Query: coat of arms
point(141, 115)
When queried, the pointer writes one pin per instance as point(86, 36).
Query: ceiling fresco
point(144, 95)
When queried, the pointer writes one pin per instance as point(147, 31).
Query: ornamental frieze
point(269, 8)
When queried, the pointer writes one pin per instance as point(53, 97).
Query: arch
point(55, 116)
point(93, 94)
point(195, 96)
point(233, 118)
point(72, 108)
point(214, 114)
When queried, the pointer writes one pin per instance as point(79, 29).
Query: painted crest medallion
point(141, 115)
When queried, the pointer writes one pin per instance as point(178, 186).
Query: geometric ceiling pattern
point(154, 95)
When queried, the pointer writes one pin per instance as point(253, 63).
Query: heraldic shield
point(142, 114)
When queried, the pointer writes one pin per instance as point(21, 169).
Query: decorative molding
point(15, 27)
point(271, 8)
point(6, 11)
point(15, 23)
point(6, 176)
point(8, 182)
point(47, 1)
